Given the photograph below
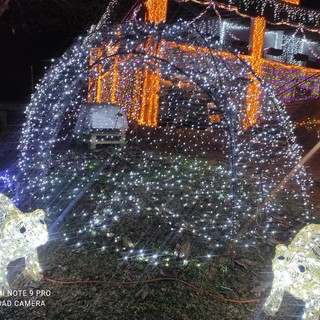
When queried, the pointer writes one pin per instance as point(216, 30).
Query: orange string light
point(150, 90)
point(156, 11)
point(146, 98)
point(115, 80)
point(297, 2)
point(254, 90)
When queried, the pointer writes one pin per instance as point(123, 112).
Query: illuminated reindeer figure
point(296, 270)
point(20, 235)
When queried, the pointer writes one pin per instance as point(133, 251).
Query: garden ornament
point(20, 235)
point(296, 270)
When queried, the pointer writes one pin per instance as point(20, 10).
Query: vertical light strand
point(98, 93)
point(133, 113)
point(156, 11)
point(115, 77)
point(296, 2)
point(95, 69)
point(151, 87)
point(94, 92)
point(91, 80)
point(115, 80)
point(257, 42)
point(150, 99)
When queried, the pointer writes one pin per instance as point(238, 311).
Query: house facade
point(278, 40)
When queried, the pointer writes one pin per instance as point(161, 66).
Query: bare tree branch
point(4, 5)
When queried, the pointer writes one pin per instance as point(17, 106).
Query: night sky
point(314, 4)
point(32, 33)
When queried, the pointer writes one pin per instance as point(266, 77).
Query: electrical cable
point(180, 281)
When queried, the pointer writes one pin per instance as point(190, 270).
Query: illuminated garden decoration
point(206, 168)
point(186, 96)
point(192, 79)
point(20, 236)
point(296, 270)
